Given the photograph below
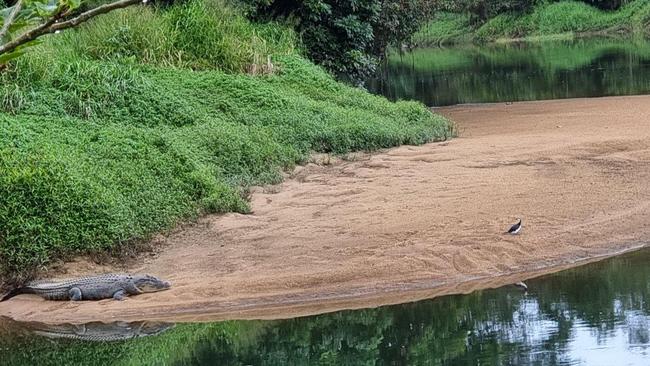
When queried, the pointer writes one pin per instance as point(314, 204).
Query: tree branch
point(10, 19)
point(54, 24)
point(31, 35)
point(103, 9)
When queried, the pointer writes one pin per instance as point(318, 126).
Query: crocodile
point(89, 332)
point(116, 286)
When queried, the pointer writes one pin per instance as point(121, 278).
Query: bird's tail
point(11, 293)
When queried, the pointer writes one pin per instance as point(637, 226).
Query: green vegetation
point(24, 23)
point(444, 28)
point(201, 35)
point(144, 118)
point(547, 20)
point(568, 17)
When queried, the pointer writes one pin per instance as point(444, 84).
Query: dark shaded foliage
point(347, 37)
point(607, 4)
point(481, 10)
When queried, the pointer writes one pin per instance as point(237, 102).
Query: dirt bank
point(410, 222)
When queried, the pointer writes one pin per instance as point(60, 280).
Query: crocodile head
point(147, 283)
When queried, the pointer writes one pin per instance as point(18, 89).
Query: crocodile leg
point(130, 289)
point(99, 287)
point(75, 294)
point(119, 295)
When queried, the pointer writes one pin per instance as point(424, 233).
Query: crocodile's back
point(93, 287)
point(105, 286)
point(81, 281)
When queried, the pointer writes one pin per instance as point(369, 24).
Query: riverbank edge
point(307, 304)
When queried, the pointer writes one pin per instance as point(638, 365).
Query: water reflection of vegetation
point(498, 327)
point(508, 72)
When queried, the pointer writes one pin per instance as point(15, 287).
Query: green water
point(516, 72)
point(597, 314)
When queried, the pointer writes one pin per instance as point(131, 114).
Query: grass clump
point(206, 34)
point(503, 26)
point(107, 136)
point(445, 28)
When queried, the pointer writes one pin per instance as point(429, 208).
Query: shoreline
point(615, 34)
point(407, 223)
point(296, 307)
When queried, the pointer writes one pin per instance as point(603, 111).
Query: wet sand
point(407, 223)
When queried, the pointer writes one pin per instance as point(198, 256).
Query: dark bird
point(515, 229)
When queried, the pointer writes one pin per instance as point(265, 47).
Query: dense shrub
point(348, 37)
point(199, 34)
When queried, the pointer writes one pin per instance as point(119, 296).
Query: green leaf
point(74, 4)
point(19, 51)
point(4, 58)
point(70, 4)
point(4, 13)
point(45, 10)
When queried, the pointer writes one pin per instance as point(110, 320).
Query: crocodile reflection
point(90, 332)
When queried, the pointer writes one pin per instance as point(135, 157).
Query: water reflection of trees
point(497, 327)
point(516, 72)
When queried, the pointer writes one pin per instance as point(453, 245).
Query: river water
point(516, 72)
point(597, 314)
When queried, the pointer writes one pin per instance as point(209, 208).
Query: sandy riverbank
point(408, 223)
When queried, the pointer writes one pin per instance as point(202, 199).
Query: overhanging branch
point(103, 9)
point(57, 23)
point(10, 19)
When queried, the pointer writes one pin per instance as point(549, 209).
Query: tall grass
point(111, 133)
point(206, 34)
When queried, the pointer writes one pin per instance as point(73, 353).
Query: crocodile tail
point(11, 293)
